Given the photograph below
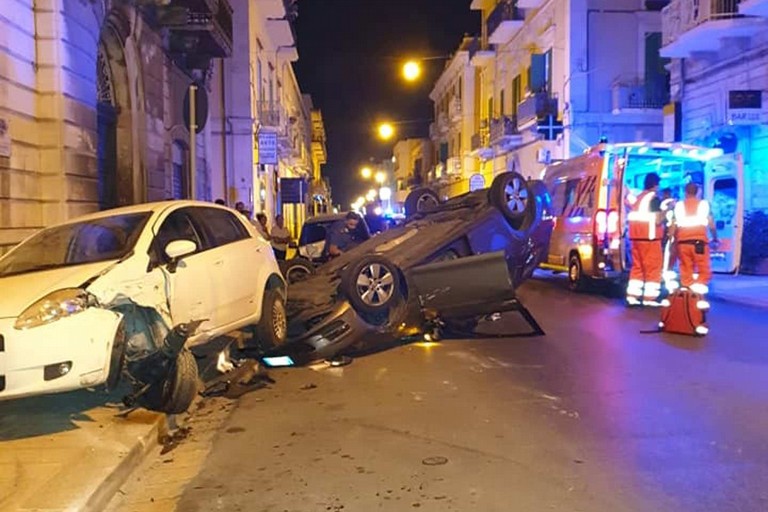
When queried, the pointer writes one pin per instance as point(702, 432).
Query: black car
point(449, 262)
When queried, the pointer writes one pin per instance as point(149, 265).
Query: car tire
point(577, 281)
point(421, 200)
point(272, 329)
point(117, 358)
point(177, 392)
point(296, 269)
point(511, 194)
point(372, 285)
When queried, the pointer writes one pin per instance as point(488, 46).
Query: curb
point(108, 487)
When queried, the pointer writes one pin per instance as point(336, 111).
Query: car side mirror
point(177, 250)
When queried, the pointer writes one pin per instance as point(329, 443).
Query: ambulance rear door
point(724, 189)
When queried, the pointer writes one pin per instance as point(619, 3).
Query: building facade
point(96, 97)
point(550, 78)
point(412, 159)
point(719, 52)
point(451, 133)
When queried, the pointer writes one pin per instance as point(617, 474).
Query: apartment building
point(451, 132)
point(719, 52)
point(554, 77)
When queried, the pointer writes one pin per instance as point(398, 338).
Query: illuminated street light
point(360, 200)
point(386, 131)
point(371, 196)
point(411, 71)
point(380, 178)
point(385, 193)
point(366, 173)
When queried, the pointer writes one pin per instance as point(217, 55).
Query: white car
point(104, 295)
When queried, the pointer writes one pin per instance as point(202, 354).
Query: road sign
point(292, 190)
point(268, 148)
point(476, 182)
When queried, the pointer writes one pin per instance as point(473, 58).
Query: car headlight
point(54, 306)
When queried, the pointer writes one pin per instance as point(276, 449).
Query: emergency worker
point(692, 218)
point(645, 234)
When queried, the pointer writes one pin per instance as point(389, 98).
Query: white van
point(589, 194)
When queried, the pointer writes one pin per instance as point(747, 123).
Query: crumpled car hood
point(17, 292)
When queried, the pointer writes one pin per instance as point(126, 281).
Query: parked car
point(125, 292)
point(444, 261)
point(312, 245)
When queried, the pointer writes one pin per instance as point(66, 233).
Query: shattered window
point(103, 239)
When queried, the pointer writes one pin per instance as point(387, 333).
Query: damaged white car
point(126, 292)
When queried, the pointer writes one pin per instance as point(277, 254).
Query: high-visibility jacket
point(643, 223)
point(691, 220)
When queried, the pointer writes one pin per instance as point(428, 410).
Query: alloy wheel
point(516, 196)
point(425, 201)
point(375, 284)
point(279, 320)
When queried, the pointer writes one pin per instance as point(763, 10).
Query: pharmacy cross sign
point(550, 128)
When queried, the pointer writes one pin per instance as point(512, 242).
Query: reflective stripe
point(641, 219)
point(699, 288)
point(698, 219)
point(702, 304)
point(700, 329)
point(635, 288)
point(633, 301)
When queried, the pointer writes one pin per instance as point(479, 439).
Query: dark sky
point(350, 53)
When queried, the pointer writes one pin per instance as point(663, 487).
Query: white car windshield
point(104, 239)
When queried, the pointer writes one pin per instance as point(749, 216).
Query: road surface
point(594, 416)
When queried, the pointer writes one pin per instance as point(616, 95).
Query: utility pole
point(192, 141)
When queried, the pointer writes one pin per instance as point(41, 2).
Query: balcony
point(198, 30)
point(637, 97)
point(535, 107)
point(271, 114)
point(504, 132)
point(754, 7)
point(454, 110)
point(699, 26)
point(453, 166)
point(504, 22)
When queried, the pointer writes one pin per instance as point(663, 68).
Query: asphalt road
point(594, 416)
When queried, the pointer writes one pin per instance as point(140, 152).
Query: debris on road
point(247, 376)
point(435, 461)
point(308, 386)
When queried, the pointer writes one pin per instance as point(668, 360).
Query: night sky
point(350, 53)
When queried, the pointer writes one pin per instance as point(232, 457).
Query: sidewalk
point(741, 289)
point(70, 452)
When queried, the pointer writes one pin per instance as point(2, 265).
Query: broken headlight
point(54, 306)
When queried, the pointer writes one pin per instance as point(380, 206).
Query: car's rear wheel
point(511, 194)
point(372, 285)
point(176, 393)
point(577, 281)
point(296, 269)
point(272, 329)
point(421, 200)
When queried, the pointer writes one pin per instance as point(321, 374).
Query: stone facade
point(94, 105)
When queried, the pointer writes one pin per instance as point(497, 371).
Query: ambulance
point(591, 194)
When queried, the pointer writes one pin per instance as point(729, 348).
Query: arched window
point(180, 171)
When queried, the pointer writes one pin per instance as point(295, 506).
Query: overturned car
point(450, 264)
point(123, 295)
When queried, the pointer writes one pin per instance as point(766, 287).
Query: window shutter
point(537, 73)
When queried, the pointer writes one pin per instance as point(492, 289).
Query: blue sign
point(550, 128)
point(476, 182)
point(292, 190)
point(268, 148)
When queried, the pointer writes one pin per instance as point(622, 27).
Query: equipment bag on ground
point(684, 312)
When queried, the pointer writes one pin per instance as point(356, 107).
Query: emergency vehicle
point(591, 193)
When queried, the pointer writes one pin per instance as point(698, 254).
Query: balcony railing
point(681, 16)
point(504, 21)
point(199, 27)
point(638, 96)
point(271, 113)
point(454, 109)
point(535, 106)
point(502, 128)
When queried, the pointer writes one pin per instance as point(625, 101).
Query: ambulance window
point(558, 199)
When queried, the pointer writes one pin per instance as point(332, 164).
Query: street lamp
point(371, 196)
point(366, 173)
point(411, 71)
point(386, 131)
point(380, 178)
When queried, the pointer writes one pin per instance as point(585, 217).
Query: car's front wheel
point(372, 285)
point(177, 391)
point(272, 329)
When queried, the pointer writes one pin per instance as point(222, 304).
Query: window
point(501, 103)
point(177, 226)
point(517, 93)
point(221, 227)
